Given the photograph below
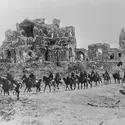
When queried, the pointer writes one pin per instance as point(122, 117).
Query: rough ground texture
point(97, 106)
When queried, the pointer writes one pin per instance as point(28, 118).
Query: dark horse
point(106, 78)
point(68, 82)
point(116, 77)
point(83, 80)
point(48, 83)
point(28, 85)
point(5, 85)
point(93, 78)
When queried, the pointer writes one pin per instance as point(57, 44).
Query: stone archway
point(80, 56)
point(99, 53)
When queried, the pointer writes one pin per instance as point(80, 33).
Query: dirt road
point(97, 106)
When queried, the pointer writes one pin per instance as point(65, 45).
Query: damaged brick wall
point(98, 51)
point(45, 40)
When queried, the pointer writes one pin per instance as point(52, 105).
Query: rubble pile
point(6, 108)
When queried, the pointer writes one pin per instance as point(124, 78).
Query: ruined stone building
point(34, 39)
point(103, 52)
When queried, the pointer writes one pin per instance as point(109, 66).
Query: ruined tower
point(122, 39)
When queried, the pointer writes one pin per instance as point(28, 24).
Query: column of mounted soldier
point(74, 80)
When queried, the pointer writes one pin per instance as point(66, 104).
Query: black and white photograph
point(62, 62)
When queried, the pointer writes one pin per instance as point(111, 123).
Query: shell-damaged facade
point(34, 39)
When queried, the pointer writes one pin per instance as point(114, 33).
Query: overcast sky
point(95, 20)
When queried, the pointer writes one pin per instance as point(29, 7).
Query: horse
point(83, 80)
point(13, 84)
point(106, 78)
point(5, 85)
point(98, 78)
point(116, 77)
point(90, 80)
point(68, 82)
point(49, 83)
point(37, 85)
point(28, 85)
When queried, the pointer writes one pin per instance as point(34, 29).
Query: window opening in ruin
point(28, 31)
point(30, 54)
point(81, 57)
point(32, 48)
point(45, 32)
point(14, 56)
point(87, 59)
point(8, 54)
point(99, 52)
point(20, 53)
point(119, 64)
point(70, 53)
point(112, 56)
point(119, 54)
point(46, 54)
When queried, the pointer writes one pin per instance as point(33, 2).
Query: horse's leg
point(13, 92)
point(68, 87)
point(49, 88)
point(18, 95)
point(84, 85)
point(28, 89)
point(36, 89)
point(104, 82)
point(78, 85)
point(25, 89)
point(58, 85)
point(115, 81)
point(75, 86)
point(123, 81)
point(4, 91)
point(1, 91)
point(95, 83)
point(45, 87)
point(71, 86)
point(81, 85)
point(54, 87)
point(119, 81)
point(39, 88)
point(8, 92)
point(87, 85)
point(90, 84)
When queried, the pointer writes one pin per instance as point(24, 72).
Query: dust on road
point(97, 106)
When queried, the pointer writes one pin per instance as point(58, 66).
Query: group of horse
point(71, 82)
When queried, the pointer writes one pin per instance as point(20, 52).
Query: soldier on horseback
point(50, 76)
point(9, 77)
point(106, 76)
point(73, 77)
point(92, 73)
point(24, 77)
point(17, 90)
point(57, 79)
point(32, 78)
